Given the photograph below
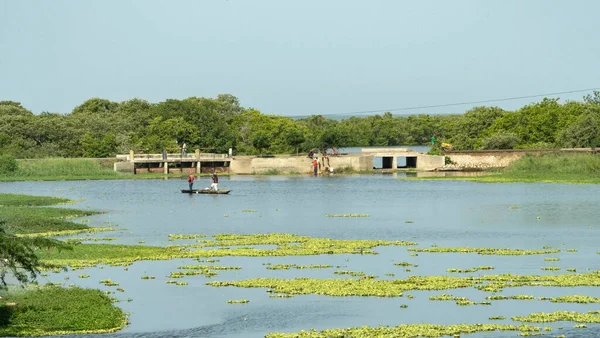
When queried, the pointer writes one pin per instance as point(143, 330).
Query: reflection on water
point(442, 213)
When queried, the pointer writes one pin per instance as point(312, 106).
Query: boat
point(204, 191)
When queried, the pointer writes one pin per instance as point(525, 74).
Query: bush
point(8, 165)
point(501, 140)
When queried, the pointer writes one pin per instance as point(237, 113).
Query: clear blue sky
point(297, 57)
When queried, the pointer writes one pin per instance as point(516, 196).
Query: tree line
point(102, 128)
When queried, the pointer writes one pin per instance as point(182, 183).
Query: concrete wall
point(126, 167)
point(481, 160)
point(429, 162)
point(296, 164)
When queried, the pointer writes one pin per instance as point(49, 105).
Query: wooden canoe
point(204, 191)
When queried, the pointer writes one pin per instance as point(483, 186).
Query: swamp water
point(430, 213)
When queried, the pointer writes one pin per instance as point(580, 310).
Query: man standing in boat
point(191, 180)
point(215, 185)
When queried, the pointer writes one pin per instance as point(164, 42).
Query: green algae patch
point(487, 251)
point(471, 269)
point(572, 299)
point(406, 331)
point(51, 310)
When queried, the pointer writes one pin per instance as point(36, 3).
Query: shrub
point(500, 140)
point(8, 165)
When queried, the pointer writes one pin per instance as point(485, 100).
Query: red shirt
point(191, 178)
point(315, 163)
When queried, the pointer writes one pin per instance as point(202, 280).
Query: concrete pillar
point(198, 167)
point(394, 163)
point(131, 156)
point(198, 154)
point(166, 168)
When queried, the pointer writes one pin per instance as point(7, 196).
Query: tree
point(582, 134)
point(18, 256)
point(261, 140)
point(500, 140)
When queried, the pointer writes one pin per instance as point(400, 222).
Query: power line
point(458, 103)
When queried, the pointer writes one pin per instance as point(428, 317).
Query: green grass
point(52, 311)
point(59, 169)
point(22, 216)
point(547, 168)
point(12, 200)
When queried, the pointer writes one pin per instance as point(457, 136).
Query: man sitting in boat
point(215, 185)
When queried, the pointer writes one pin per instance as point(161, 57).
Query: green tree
point(261, 140)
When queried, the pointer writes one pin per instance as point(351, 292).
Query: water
point(442, 213)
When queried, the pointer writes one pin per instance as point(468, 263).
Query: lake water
point(443, 213)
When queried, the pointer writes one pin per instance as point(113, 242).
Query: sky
point(297, 58)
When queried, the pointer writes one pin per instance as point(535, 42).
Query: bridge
point(166, 163)
point(413, 159)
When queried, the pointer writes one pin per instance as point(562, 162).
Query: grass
point(52, 310)
point(548, 168)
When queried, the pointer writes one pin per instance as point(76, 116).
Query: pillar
point(131, 156)
point(394, 163)
point(166, 168)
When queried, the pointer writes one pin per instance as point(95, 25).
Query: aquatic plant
point(558, 316)
point(148, 277)
point(299, 267)
point(394, 288)
point(238, 301)
point(487, 251)
point(471, 269)
point(347, 215)
point(81, 311)
point(551, 268)
point(173, 237)
point(497, 318)
point(406, 330)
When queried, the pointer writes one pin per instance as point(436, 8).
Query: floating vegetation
point(347, 215)
point(66, 232)
point(406, 330)
point(84, 276)
point(551, 259)
point(488, 251)
point(97, 239)
point(287, 245)
point(518, 297)
point(579, 326)
point(180, 236)
point(248, 210)
point(390, 274)
point(354, 274)
point(571, 250)
point(405, 264)
point(281, 296)
point(514, 207)
point(559, 316)
point(108, 282)
point(394, 288)
point(238, 301)
point(571, 270)
point(408, 222)
point(497, 318)
point(403, 306)
point(300, 267)
point(181, 283)
point(120, 289)
point(148, 277)
point(551, 268)
point(572, 299)
point(471, 270)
